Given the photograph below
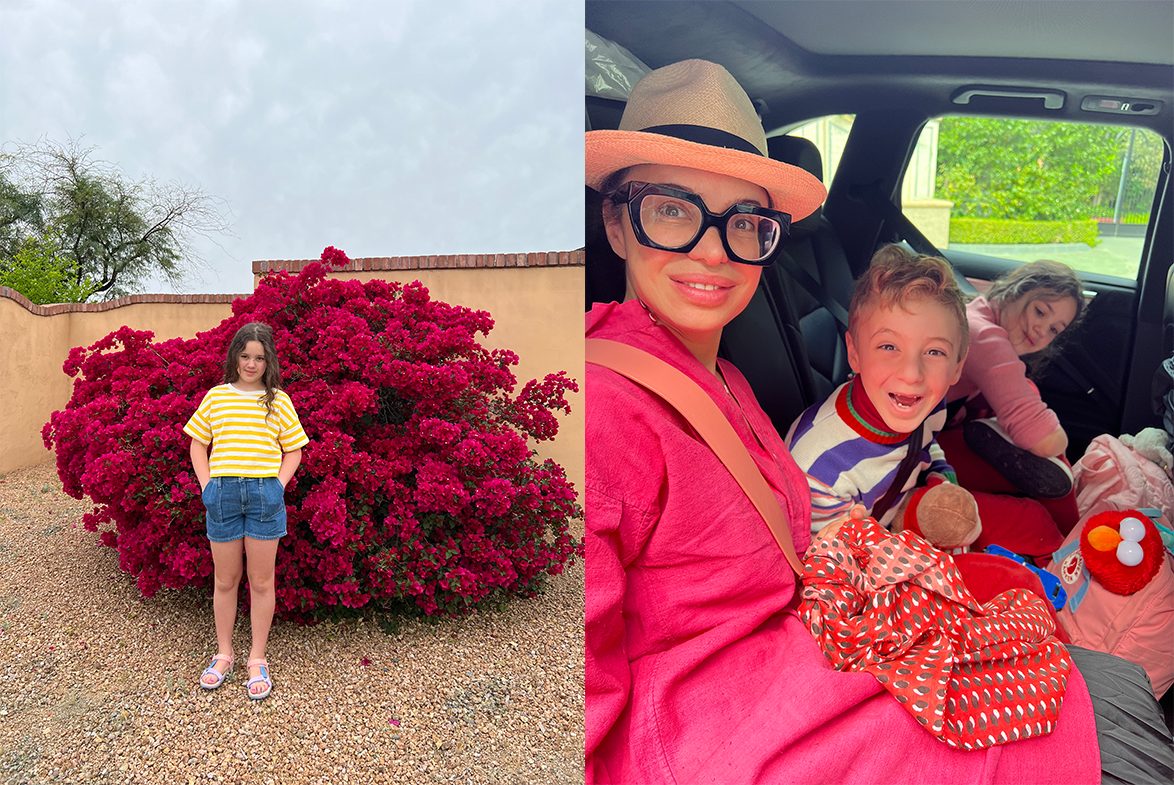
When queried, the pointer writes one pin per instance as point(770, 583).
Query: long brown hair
point(1047, 280)
point(262, 334)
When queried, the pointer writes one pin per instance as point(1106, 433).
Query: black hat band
point(707, 136)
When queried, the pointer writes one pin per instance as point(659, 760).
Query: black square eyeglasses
point(670, 219)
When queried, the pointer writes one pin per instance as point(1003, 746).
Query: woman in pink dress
point(698, 668)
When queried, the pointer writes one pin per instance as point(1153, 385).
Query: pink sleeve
point(624, 479)
point(997, 372)
point(608, 679)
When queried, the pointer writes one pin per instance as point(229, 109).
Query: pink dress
point(993, 369)
point(698, 668)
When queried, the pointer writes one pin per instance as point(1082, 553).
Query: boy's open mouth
point(905, 401)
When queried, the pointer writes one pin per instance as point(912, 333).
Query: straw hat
point(694, 114)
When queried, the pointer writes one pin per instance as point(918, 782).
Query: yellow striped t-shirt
point(245, 443)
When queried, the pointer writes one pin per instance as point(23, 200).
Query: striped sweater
point(247, 440)
point(850, 462)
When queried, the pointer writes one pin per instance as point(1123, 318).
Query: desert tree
point(105, 233)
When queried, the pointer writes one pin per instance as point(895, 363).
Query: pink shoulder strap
point(684, 395)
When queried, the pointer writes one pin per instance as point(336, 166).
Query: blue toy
point(1052, 586)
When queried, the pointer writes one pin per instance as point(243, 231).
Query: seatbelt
point(695, 405)
point(815, 289)
point(1098, 395)
point(912, 458)
point(874, 197)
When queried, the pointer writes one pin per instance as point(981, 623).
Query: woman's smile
point(704, 290)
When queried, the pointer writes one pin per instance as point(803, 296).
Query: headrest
point(797, 151)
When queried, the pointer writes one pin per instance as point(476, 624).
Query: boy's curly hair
point(896, 275)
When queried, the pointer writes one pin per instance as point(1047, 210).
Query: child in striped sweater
point(907, 338)
point(256, 442)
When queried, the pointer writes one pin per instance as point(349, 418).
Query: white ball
point(1132, 529)
point(1129, 553)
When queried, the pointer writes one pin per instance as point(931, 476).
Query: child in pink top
point(1022, 447)
point(1020, 317)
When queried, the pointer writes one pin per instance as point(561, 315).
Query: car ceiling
point(1111, 30)
point(808, 58)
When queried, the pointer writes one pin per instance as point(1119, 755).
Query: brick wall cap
point(109, 305)
point(432, 262)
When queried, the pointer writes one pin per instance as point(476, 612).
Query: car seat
point(789, 346)
point(815, 248)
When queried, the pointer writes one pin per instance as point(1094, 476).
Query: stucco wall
point(32, 350)
point(36, 340)
point(538, 315)
point(537, 312)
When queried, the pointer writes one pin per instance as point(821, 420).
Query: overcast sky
point(386, 128)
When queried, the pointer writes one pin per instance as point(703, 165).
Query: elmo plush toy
point(1122, 550)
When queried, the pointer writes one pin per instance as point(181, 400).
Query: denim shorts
point(244, 507)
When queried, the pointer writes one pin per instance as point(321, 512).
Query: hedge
point(1006, 231)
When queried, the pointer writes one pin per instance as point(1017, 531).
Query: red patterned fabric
point(973, 675)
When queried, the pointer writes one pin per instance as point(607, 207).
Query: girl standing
point(257, 442)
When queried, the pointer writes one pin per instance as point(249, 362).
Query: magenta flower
point(417, 493)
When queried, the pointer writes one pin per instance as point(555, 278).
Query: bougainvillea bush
point(417, 492)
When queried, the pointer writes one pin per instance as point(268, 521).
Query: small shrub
point(1006, 231)
point(417, 492)
point(37, 273)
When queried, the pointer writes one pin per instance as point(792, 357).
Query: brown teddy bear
point(946, 515)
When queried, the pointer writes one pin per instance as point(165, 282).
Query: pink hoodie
point(993, 369)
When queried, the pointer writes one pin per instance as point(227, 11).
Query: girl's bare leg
point(226, 558)
point(262, 556)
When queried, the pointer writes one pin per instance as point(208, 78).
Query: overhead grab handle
point(1053, 99)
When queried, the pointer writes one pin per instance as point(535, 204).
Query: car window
point(1030, 189)
point(829, 134)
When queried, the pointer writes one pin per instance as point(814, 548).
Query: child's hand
point(827, 532)
point(858, 512)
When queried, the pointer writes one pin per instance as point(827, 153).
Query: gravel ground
point(99, 685)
